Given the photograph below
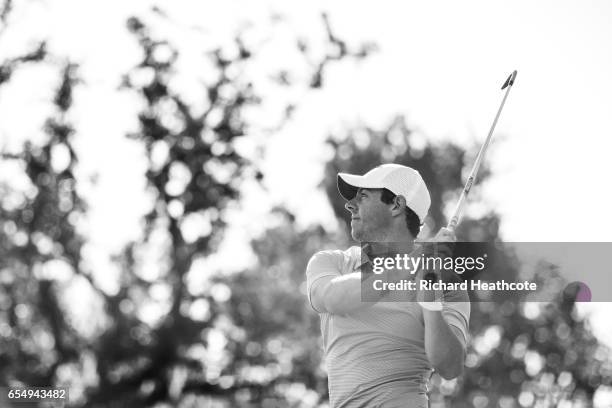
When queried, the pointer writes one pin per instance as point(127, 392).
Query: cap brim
point(348, 184)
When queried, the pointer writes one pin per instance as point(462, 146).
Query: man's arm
point(331, 291)
point(444, 345)
point(341, 294)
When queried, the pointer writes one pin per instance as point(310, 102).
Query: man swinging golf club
point(381, 353)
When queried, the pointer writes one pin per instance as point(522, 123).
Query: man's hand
point(432, 300)
point(444, 241)
point(440, 246)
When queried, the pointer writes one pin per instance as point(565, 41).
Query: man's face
point(370, 217)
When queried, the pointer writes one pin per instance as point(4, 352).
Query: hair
point(412, 220)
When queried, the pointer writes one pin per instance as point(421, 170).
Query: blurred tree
point(195, 174)
point(281, 334)
point(156, 341)
point(37, 234)
point(39, 242)
point(10, 64)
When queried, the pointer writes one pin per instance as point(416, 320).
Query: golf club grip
point(454, 221)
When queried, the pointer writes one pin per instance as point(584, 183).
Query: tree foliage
point(39, 233)
point(187, 353)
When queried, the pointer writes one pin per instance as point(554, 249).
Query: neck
point(393, 242)
point(404, 236)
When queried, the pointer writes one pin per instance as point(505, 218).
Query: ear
point(399, 206)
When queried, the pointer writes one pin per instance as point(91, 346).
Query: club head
point(510, 80)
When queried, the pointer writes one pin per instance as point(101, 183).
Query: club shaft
point(454, 221)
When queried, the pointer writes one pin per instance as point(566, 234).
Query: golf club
point(454, 221)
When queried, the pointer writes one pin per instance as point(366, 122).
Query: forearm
point(444, 350)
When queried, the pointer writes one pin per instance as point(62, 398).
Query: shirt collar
point(382, 251)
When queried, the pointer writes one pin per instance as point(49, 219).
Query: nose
point(351, 206)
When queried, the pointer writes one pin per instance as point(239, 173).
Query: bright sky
point(440, 63)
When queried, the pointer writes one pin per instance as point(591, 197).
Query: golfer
point(380, 354)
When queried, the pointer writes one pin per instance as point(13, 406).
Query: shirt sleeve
point(324, 263)
point(456, 311)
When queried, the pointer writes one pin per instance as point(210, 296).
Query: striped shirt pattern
point(376, 356)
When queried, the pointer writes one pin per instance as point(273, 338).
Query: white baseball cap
point(400, 180)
